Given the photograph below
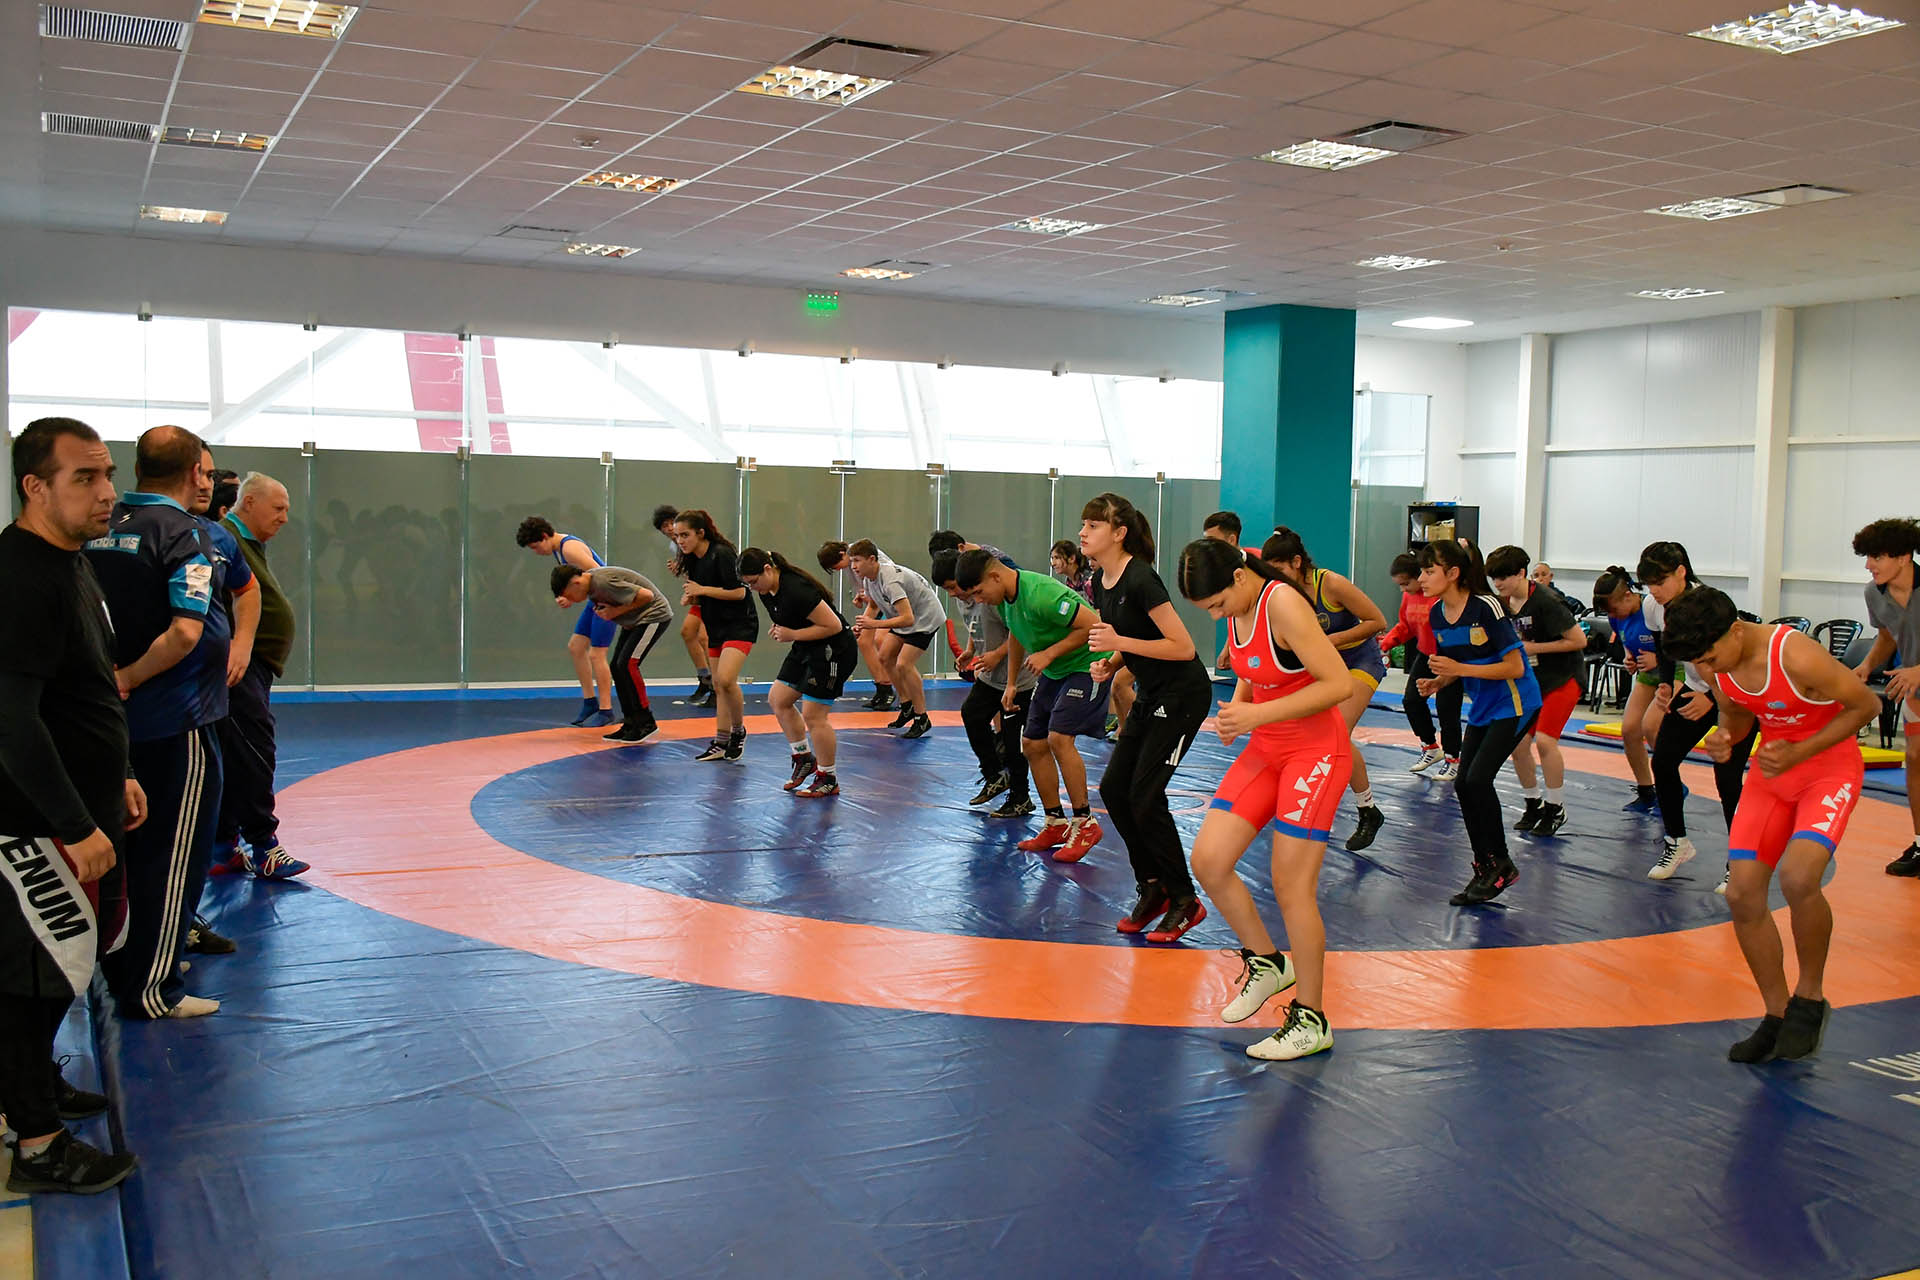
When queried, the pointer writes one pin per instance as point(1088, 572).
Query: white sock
point(1532, 792)
point(801, 748)
point(1364, 797)
point(1554, 794)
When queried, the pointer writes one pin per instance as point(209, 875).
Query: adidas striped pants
point(166, 867)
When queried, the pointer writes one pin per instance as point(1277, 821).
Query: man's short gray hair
point(257, 483)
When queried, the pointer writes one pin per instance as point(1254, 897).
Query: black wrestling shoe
point(1552, 818)
point(1908, 863)
point(905, 718)
point(1011, 808)
point(882, 698)
point(1527, 820)
point(202, 940)
point(992, 788)
point(1802, 1029)
point(1149, 906)
point(1760, 1046)
point(72, 1103)
point(802, 770)
point(922, 726)
point(1371, 820)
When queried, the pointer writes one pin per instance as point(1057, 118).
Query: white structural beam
point(707, 435)
point(1106, 397)
point(1530, 441)
point(273, 388)
point(1772, 423)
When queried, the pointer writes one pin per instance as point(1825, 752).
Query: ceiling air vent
point(527, 231)
point(1391, 135)
point(862, 58)
point(93, 127)
point(63, 22)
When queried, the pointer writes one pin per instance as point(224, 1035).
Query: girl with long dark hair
point(1291, 681)
point(1616, 595)
point(1351, 620)
point(815, 670)
point(712, 570)
point(1687, 711)
point(1477, 646)
point(1140, 632)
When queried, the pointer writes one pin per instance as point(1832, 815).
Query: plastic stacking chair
point(1802, 625)
point(1744, 616)
point(1840, 634)
point(1604, 671)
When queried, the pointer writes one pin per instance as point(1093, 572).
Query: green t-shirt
point(1040, 613)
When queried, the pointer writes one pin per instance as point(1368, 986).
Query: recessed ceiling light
point(1800, 193)
point(890, 269)
point(582, 250)
point(641, 183)
point(1399, 262)
point(1432, 322)
point(1678, 295)
point(167, 213)
point(1182, 299)
point(293, 17)
point(807, 84)
point(1796, 28)
point(180, 135)
point(1052, 226)
point(1714, 208)
point(1321, 154)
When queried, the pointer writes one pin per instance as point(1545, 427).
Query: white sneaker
point(1676, 854)
point(1305, 1032)
point(1430, 757)
point(1446, 771)
point(1725, 876)
point(1260, 981)
point(194, 1007)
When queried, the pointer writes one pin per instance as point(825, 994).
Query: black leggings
point(1485, 750)
point(1134, 787)
point(1420, 720)
point(998, 750)
point(27, 1028)
point(629, 651)
point(1678, 736)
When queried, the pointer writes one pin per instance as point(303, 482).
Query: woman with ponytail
point(1478, 646)
point(1140, 632)
point(1615, 595)
point(1351, 620)
point(1686, 711)
point(1291, 681)
point(713, 582)
point(815, 670)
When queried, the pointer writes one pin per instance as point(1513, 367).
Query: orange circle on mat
point(456, 877)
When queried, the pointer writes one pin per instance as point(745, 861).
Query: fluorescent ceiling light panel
point(637, 183)
point(1714, 208)
point(1432, 322)
point(1797, 28)
point(806, 84)
point(1321, 154)
point(582, 250)
point(167, 213)
point(1052, 226)
point(1183, 299)
point(890, 269)
point(180, 135)
point(1399, 262)
point(1678, 295)
point(1802, 193)
point(292, 17)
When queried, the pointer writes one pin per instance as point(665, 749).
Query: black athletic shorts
point(921, 640)
point(820, 670)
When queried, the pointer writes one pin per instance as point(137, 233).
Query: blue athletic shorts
point(598, 631)
point(1073, 705)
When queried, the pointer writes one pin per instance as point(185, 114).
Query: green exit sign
point(823, 300)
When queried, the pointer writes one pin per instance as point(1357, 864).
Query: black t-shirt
point(724, 619)
point(55, 631)
point(792, 604)
point(1543, 619)
point(1127, 607)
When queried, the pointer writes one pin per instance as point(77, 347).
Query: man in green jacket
point(247, 734)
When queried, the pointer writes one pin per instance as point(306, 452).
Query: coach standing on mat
point(161, 573)
point(247, 736)
point(63, 777)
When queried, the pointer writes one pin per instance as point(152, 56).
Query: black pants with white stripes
point(998, 750)
point(630, 649)
point(166, 865)
point(1134, 788)
point(247, 756)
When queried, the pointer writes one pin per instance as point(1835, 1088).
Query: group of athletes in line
point(1306, 648)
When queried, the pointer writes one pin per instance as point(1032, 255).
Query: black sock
point(1646, 793)
point(1055, 811)
point(1083, 811)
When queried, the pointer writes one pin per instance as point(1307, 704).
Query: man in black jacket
point(66, 796)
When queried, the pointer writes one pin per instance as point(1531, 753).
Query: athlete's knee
point(1747, 903)
point(1035, 748)
point(1800, 885)
point(1213, 866)
point(1061, 744)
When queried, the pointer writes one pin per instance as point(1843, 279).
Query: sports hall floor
point(548, 1008)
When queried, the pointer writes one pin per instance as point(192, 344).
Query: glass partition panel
point(386, 548)
point(287, 550)
point(639, 487)
point(791, 510)
point(896, 510)
point(514, 630)
point(1184, 504)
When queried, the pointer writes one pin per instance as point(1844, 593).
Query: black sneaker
point(1371, 820)
point(703, 696)
point(802, 770)
point(202, 940)
point(992, 787)
point(72, 1103)
point(631, 732)
point(1802, 1029)
point(736, 749)
point(1552, 818)
point(1532, 816)
point(1760, 1046)
point(716, 750)
point(1013, 809)
point(922, 726)
point(905, 718)
point(68, 1164)
point(882, 698)
point(1150, 905)
point(1908, 863)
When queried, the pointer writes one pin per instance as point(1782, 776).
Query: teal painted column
point(1286, 429)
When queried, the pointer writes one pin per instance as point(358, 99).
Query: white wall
point(1487, 446)
point(1434, 369)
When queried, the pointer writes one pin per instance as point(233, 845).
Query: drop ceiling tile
point(1132, 19)
point(1047, 47)
point(446, 36)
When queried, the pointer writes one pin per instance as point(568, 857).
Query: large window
point(279, 386)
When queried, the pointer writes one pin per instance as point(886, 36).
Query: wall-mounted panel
point(1487, 482)
point(1834, 489)
point(1493, 395)
point(1854, 370)
point(1690, 380)
point(1602, 508)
